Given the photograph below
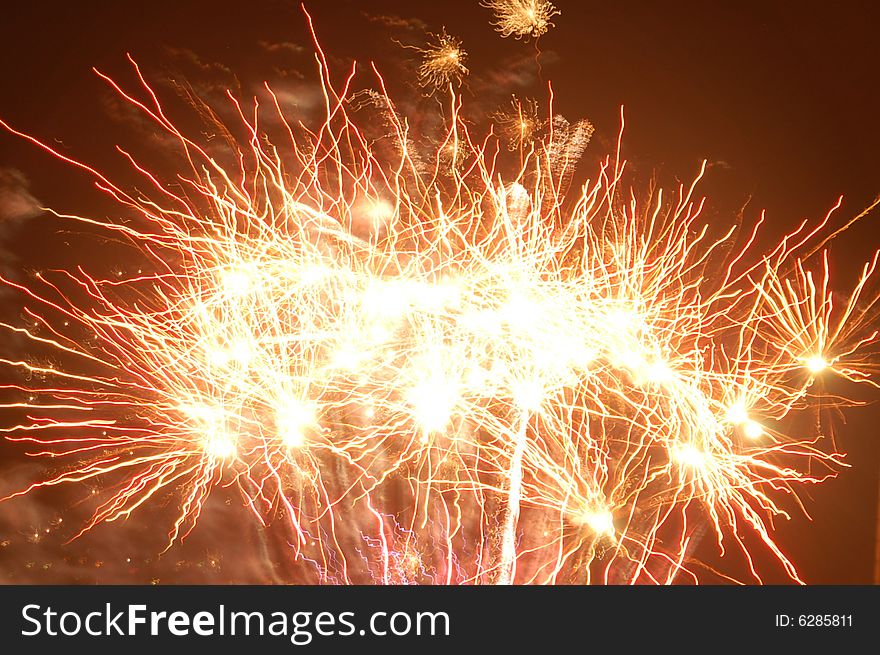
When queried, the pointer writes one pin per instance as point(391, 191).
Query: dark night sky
point(781, 97)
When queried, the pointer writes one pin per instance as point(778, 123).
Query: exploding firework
point(519, 123)
point(442, 375)
point(522, 19)
point(442, 62)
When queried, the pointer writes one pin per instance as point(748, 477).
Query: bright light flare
point(601, 522)
point(293, 419)
point(433, 402)
point(752, 429)
point(816, 364)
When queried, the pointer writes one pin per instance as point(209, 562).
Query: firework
point(569, 142)
point(449, 374)
point(442, 62)
point(522, 19)
point(519, 123)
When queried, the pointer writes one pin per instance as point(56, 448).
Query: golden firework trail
point(441, 374)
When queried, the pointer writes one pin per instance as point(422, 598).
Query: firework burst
point(442, 62)
point(522, 19)
point(448, 375)
point(519, 124)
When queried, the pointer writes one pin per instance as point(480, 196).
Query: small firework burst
point(519, 123)
point(454, 154)
point(443, 62)
point(522, 19)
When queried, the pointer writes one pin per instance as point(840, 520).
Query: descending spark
point(447, 373)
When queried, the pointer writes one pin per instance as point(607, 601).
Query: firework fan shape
point(445, 375)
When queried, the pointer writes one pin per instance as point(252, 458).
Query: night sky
point(781, 98)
